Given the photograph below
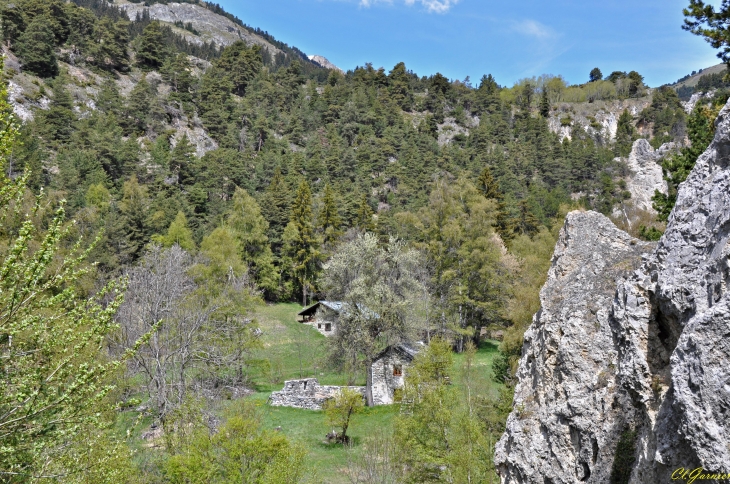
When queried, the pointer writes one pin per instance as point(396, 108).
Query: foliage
point(340, 410)
point(58, 381)
point(703, 20)
point(701, 130)
point(469, 276)
point(445, 433)
point(624, 458)
point(384, 293)
point(239, 451)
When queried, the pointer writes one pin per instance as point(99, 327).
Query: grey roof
point(404, 349)
point(336, 306)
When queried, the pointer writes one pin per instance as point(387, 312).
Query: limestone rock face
point(566, 404)
point(212, 27)
point(646, 173)
point(324, 62)
point(658, 363)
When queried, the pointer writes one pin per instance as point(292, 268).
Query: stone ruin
point(307, 394)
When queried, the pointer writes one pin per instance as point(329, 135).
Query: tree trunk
point(369, 384)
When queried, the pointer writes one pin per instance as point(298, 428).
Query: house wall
point(323, 317)
point(384, 382)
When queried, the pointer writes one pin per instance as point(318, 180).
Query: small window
point(397, 370)
point(328, 327)
point(319, 325)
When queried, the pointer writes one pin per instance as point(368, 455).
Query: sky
point(509, 39)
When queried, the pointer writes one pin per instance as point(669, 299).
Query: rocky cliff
point(324, 62)
point(644, 178)
point(209, 25)
point(599, 118)
point(625, 373)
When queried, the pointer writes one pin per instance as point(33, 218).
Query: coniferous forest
point(160, 191)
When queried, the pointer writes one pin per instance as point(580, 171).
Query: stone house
point(388, 371)
point(322, 316)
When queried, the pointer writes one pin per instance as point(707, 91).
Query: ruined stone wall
point(306, 394)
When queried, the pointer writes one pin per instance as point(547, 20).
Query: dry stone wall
point(307, 394)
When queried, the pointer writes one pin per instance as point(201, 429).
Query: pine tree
point(364, 220)
point(133, 219)
point(179, 233)
point(250, 228)
point(544, 103)
point(625, 133)
point(489, 187)
point(182, 159)
point(528, 224)
point(240, 64)
point(275, 205)
point(36, 48)
point(58, 121)
point(304, 250)
point(329, 221)
point(151, 48)
point(701, 130)
point(12, 22)
point(110, 49)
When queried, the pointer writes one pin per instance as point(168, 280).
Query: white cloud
point(435, 6)
point(534, 28)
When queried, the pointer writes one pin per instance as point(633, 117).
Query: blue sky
point(508, 39)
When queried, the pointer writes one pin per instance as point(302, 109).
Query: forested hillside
point(227, 175)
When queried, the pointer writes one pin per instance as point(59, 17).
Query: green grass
point(300, 350)
point(293, 350)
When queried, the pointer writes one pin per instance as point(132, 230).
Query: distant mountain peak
point(322, 61)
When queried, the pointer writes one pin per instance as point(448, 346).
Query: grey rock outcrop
point(324, 62)
point(211, 26)
point(566, 405)
point(645, 175)
point(697, 97)
point(657, 367)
